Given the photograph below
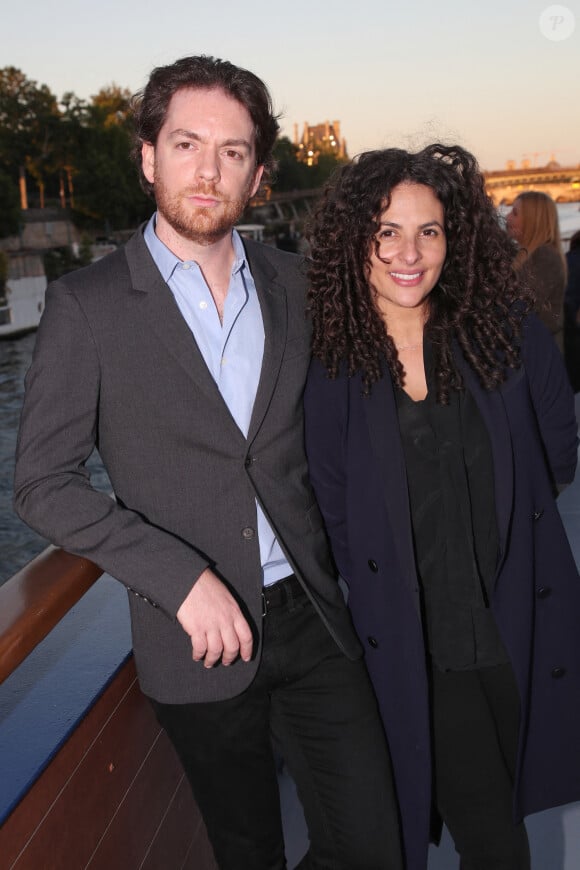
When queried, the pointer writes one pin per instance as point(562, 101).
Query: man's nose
point(208, 165)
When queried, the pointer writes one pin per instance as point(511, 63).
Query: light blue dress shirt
point(232, 351)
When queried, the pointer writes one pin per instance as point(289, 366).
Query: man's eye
point(234, 155)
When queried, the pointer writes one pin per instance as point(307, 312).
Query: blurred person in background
point(533, 224)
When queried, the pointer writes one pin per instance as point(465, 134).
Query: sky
point(484, 75)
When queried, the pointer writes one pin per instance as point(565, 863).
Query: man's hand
point(212, 618)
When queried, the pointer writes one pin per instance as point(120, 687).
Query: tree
point(77, 152)
point(9, 206)
point(107, 190)
point(323, 169)
point(290, 173)
point(112, 105)
point(29, 119)
point(294, 174)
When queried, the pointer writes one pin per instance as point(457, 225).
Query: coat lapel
point(272, 298)
point(168, 324)
point(165, 319)
point(383, 426)
point(492, 408)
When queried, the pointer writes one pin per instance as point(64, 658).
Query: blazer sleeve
point(552, 398)
point(326, 412)
point(53, 493)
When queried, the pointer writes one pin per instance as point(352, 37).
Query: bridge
point(562, 184)
point(272, 208)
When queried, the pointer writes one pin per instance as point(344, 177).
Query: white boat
point(22, 300)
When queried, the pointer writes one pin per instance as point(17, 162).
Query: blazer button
point(372, 641)
point(544, 592)
point(373, 566)
point(558, 672)
point(248, 461)
point(537, 514)
point(248, 534)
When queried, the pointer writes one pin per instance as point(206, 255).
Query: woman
point(436, 441)
point(533, 224)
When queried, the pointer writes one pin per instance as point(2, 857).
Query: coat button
point(248, 461)
point(544, 592)
point(248, 534)
point(558, 672)
point(372, 641)
point(537, 514)
point(373, 566)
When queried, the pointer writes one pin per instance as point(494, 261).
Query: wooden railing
point(36, 599)
point(114, 794)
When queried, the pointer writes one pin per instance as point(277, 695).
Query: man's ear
point(257, 178)
point(148, 161)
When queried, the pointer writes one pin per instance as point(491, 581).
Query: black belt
point(280, 593)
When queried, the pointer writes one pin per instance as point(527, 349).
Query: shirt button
point(558, 672)
point(186, 266)
point(203, 305)
point(372, 641)
point(248, 534)
point(373, 566)
point(544, 592)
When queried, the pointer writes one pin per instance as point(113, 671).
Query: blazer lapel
point(382, 421)
point(272, 298)
point(165, 319)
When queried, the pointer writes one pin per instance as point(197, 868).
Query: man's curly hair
point(478, 300)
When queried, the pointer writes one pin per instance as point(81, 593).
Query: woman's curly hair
point(478, 299)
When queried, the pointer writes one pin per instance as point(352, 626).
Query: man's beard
point(204, 226)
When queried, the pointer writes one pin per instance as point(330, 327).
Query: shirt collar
point(167, 262)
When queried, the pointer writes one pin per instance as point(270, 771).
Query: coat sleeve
point(326, 414)
point(552, 398)
point(53, 492)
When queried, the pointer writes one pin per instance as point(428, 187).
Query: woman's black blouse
point(451, 492)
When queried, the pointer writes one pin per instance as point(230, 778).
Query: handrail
point(36, 599)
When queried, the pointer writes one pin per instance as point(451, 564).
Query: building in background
point(319, 139)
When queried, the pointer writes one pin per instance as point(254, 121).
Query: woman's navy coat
point(358, 471)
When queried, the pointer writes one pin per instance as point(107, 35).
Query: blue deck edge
point(44, 700)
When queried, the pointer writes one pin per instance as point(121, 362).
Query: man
point(183, 358)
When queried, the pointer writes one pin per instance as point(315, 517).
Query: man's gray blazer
point(116, 365)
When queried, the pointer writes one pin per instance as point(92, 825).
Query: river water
point(18, 544)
